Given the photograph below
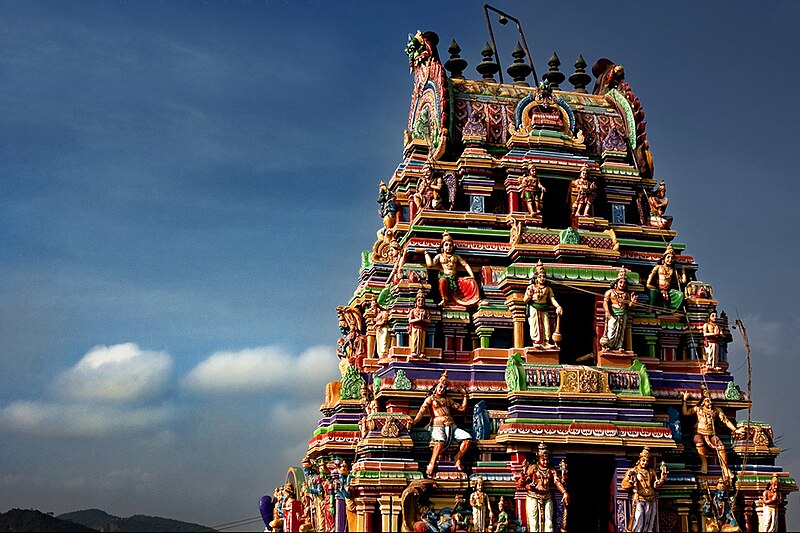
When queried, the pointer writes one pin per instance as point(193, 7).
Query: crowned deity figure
point(464, 291)
point(717, 509)
point(383, 337)
point(642, 481)
point(584, 188)
point(706, 434)
point(479, 501)
point(660, 281)
point(539, 480)
point(418, 319)
point(532, 191)
point(538, 297)
point(617, 302)
point(711, 336)
point(770, 501)
point(503, 517)
point(445, 431)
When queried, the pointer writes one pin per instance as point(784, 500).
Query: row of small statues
point(430, 189)
point(538, 297)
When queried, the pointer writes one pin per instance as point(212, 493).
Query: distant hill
point(23, 520)
point(93, 518)
point(102, 521)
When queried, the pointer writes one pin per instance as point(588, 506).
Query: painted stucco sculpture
point(629, 352)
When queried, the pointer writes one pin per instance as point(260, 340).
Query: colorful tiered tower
point(526, 300)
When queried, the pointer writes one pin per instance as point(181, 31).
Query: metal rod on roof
point(503, 20)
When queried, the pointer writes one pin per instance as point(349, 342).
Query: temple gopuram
point(528, 346)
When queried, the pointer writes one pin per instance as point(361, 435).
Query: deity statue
point(642, 480)
point(711, 336)
point(352, 348)
point(369, 405)
point(706, 435)
point(617, 302)
point(388, 210)
point(717, 509)
point(418, 319)
point(436, 185)
point(346, 493)
point(503, 519)
point(539, 480)
point(585, 189)
point(664, 274)
point(444, 430)
point(424, 194)
point(464, 291)
point(658, 201)
point(538, 297)
point(461, 513)
point(770, 501)
point(532, 191)
point(479, 502)
point(383, 336)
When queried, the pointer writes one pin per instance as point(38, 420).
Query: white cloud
point(80, 420)
point(118, 373)
point(263, 369)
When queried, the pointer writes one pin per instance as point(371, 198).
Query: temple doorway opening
point(556, 211)
point(577, 327)
point(590, 485)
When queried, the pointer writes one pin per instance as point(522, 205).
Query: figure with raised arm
point(539, 480)
point(706, 434)
point(464, 291)
point(770, 500)
point(538, 297)
point(642, 480)
point(617, 302)
point(445, 431)
point(383, 337)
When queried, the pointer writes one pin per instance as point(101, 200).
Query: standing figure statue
point(436, 186)
point(711, 335)
point(423, 195)
point(369, 405)
point(538, 297)
point(418, 319)
point(770, 501)
point(479, 501)
point(532, 191)
point(539, 481)
point(445, 430)
point(706, 435)
point(644, 483)
point(383, 337)
point(464, 291)
point(584, 198)
point(662, 292)
point(617, 302)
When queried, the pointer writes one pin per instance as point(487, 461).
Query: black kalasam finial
point(487, 68)
point(456, 64)
point(580, 79)
point(519, 69)
point(553, 75)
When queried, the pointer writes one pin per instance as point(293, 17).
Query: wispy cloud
point(118, 373)
point(52, 419)
point(262, 369)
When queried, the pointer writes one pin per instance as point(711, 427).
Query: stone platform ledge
point(621, 359)
point(541, 356)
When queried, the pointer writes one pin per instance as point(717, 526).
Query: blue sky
point(186, 187)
